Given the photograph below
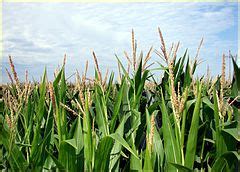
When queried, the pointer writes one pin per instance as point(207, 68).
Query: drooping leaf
point(121, 140)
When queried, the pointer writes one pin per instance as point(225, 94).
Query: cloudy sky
point(39, 34)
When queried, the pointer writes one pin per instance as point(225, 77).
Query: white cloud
point(40, 33)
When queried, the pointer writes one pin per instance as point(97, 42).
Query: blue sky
point(39, 34)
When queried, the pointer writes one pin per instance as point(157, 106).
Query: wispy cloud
point(39, 34)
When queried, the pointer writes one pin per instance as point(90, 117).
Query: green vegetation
point(133, 124)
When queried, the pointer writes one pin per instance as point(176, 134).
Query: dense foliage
point(180, 124)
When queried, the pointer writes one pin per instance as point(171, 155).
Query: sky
point(37, 35)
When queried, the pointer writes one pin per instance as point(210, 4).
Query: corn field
point(126, 123)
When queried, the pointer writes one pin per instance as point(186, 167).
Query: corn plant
point(182, 123)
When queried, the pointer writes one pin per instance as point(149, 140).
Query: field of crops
point(126, 122)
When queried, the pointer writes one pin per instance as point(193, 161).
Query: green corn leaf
point(101, 111)
point(121, 140)
point(62, 96)
point(117, 106)
point(148, 166)
point(233, 132)
point(188, 105)
point(237, 73)
point(67, 154)
point(219, 140)
point(172, 154)
point(193, 133)
point(139, 90)
point(216, 110)
point(55, 86)
point(40, 113)
point(71, 142)
point(16, 157)
point(58, 163)
point(57, 102)
point(138, 76)
point(78, 136)
point(87, 136)
point(135, 163)
point(178, 68)
point(181, 168)
point(208, 102)
point(41, 102)
point(187, 75)
point(116, 150)
point(102, 156)
point(229, 159)
point(159, 150)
